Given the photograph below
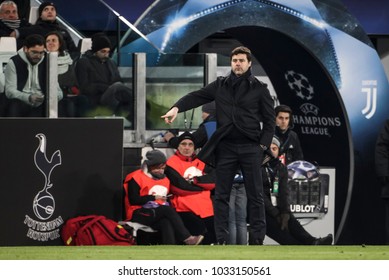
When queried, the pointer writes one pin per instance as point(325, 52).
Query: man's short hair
point(6, 3)
point(34, 40)
point(284, 109)
point(241, 50)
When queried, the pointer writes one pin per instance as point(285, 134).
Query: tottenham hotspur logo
point(44, 203)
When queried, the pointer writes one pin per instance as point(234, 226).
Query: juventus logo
point(370, 87)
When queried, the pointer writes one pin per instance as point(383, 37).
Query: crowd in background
point(89, 84)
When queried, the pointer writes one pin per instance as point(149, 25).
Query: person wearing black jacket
point(10, 20)
point(46, 23)
point(290, 149)
point(382, 170)
point(99, 79)
point(243, 103)
point(282, 226)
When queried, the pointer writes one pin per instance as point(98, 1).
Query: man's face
point(35, 54)
point(240, 64)
point(103, 54)
point(282, 120)
point(274, 149)
point(186, 147)
point(49, 13)
point(9, 12)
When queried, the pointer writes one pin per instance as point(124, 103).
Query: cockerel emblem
point(44, 203)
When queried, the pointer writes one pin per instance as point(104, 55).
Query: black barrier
point(55, 169)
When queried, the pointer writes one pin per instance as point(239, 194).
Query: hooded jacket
point(23, 79)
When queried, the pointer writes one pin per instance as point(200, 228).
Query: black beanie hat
point(276, 141)
point(44, 5)
point(209, 108)
point(100, 41)
point(155, 157)
point(186, 135)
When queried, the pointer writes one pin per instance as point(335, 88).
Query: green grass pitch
point(269, 252)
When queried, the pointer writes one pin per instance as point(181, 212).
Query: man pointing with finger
point(243, 103)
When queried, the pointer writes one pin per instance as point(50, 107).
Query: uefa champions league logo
point(298, 83)
point(44, 204)
point(311, 122)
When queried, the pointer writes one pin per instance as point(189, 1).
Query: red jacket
point(198, 201)
point(147, 187)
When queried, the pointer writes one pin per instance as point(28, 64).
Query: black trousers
point(295, 235)
point(119, 98)
point(229, 158)
point(164, 219)
point(17, 108)
point(199, 226)
point(386, 203)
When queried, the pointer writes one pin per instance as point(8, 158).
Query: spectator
point(146, 192)
point(25, 80)
point(9, 20)
point(73, 104)
point(99, 79)
point(290, 149)
point(382, 170)
point(24, 7)
point(282, 226)
point(191, 184)
point(46, 23)
point(245, 126)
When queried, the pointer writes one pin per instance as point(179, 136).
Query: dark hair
point(34, 40)
point(241, 50)
point(62, 44)
point(285, 109)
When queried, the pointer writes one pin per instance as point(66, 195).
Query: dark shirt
point(290, 145)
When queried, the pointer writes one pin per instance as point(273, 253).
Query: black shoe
point(221, 242)
point(324, 240)
point(256, 242)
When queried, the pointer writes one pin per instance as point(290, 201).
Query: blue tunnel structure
point(321, 63)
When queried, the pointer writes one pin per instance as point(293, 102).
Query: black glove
point(283, 220)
